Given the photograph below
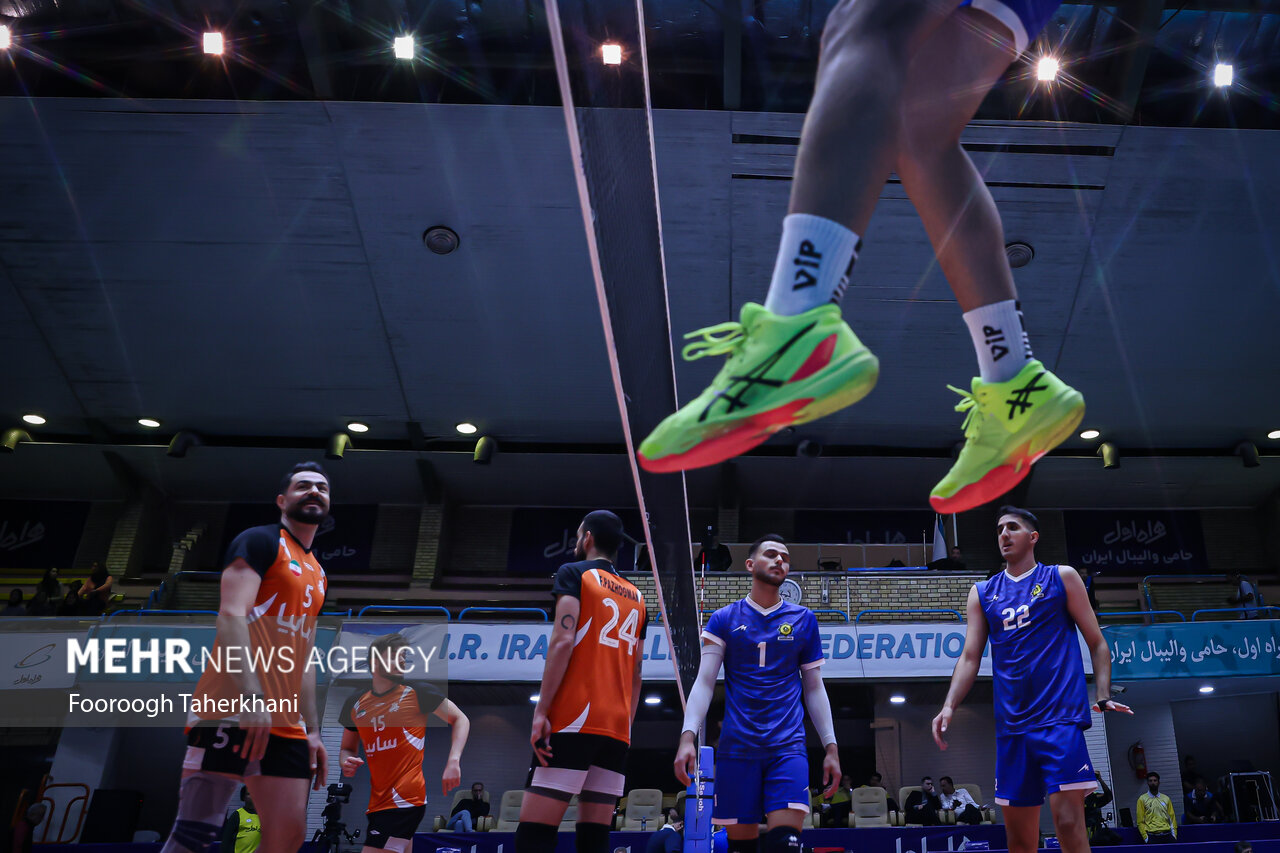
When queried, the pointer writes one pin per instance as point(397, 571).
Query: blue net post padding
point(699, 798)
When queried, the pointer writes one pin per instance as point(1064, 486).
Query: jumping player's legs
point(1022, 828)
point(1068, 820)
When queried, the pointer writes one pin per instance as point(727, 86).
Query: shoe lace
point(720, 339)
point(969, 405)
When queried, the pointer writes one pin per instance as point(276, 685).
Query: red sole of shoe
point(734, 441)
point(998, 481)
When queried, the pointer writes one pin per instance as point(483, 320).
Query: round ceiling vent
point(440, 239)
point(1020, 254)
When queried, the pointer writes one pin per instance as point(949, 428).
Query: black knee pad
point(592, 837)
point(745, 845)
point(781, 839)
point(535, 837)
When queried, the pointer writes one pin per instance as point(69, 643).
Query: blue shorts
point(749, 788)
point(1024, 18)
point(1039, 762)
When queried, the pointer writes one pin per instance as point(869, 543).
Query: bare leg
point(948, 78)
point(282, 803)
point(742, 831)
point(1022, 828)
point(850, 137)
point(1068, 820)
point(536, 808)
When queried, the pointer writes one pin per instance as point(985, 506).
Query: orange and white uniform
point(393, 729)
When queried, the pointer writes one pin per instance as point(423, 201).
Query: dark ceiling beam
point(731, 15)
point(1139, 23)
point(314, 46)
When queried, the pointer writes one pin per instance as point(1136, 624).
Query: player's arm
point(1085, 619)
point(459, 730)
point(695, 712)
point(1142, 818)
point(311, 717)
point(349, 752)
point(560, 647)
point(819, 707)
point(962, 678)
point(239, 589)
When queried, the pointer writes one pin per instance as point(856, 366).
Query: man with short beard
point(772, 657)
point(272, 590)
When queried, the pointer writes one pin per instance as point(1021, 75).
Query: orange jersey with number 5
point(595, 694)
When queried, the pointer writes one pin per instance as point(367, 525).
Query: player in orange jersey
point(590, 687)
point(390, 720)
point(253, 712)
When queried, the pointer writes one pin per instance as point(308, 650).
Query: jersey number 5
point(1015, 619)
point(627, 632)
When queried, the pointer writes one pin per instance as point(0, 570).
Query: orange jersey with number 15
point(595, 695)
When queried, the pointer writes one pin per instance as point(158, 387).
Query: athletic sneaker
point(1008, 426)
point(782, 371)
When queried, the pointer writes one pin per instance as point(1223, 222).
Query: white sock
point(813, 266)
point(1000, 340)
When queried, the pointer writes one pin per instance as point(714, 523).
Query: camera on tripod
point(334, 830)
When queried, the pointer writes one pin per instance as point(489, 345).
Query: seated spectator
point(467, 813)
point(836, 810)
point(1157, 823)
point(1246, 594)
point(669, 838)
point(1099, 833)
point(717, 555)
point(958, 800)
point(953, 562)
point(1202, 807)
point(48, 594)
point(96, 592)
point(16, 607)
point(70, 604)
point(923, 805)
point(1189, 774)
point(875, 781)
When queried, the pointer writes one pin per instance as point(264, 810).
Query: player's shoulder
point(263, 534)
point(796, 613)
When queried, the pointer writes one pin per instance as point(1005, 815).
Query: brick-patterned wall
point(395, 538)
point(924, 591)
point(426, 554)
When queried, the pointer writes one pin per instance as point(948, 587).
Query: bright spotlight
point(6, 37)
point(535, 697)
point(149, 423)
point(1047, 69)
point(1206, 689)
point(1223, 74)
point(466, 428)
point(36, 420)
point(1090, 434)
point(404, 47)
point(1274, 435)
point(898, 699)
point(653, 700)
point(213, 44)
point(356, 426)
point(611, 54)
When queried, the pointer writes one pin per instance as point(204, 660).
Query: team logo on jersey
point(295, 567)
point(360, 713)
point(739, 628)
point(1037, 591)
point(785, 629)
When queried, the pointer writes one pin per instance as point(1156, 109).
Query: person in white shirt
point(1246, 595)
point(959, 801)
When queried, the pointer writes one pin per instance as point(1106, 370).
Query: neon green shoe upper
point(781, 371)
point(1008, 426)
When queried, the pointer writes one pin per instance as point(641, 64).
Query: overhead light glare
point(1090, 434)
point(534, 698)
point(1208, 688)
point(898, 699)
point(466, 428)
point(403, 47)
point(34, 419)
point(1274, 435)
point(653, 700)
point(6, 37)
point(1047, 69)
point(149, 423)
point(213, 44)
point(356, 426)
point(1223, 74)
point(611, 54)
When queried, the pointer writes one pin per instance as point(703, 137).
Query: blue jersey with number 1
point(1036, 664)
point(764, 651)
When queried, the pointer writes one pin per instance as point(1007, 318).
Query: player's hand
point(452, 776)
point(830, 772)
point(940, 725)
point(256, 726)
point(351, 764)
point(319, 760)
point(540, 737)
point(686, 763)
point(1103, 705)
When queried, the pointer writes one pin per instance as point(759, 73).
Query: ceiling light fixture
point(653, 700)
point(1274, 435)
point(1223, 75)
point(356, 426)
point(534, 698)
point(149, 423)
point(403, 47)
point(1019, 254)
point(1110, 455)
point(441, 239)
point(466, 428)
point(611, 54)
point(1090, 434)
point(1047, 69)
point(213, 44)
point(898, 699)
point(1206, 689)
point(34, 420)
point(6, 37)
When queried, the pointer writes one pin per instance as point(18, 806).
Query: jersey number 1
point(627, 632)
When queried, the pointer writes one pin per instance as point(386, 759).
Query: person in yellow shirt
point(242, 829)
point(1157, 822)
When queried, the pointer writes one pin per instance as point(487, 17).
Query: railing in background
point(138, 614)
point(407, 608)
point(1141, 614)
point(910, 611)
point(1176, 579)
point(835, 611)
point(1240, 611)
point(542, 614)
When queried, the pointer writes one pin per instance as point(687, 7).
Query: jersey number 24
point(627, 633)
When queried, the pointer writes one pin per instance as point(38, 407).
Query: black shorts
point(580, 762)
point(393, 823)
point(211, 746)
